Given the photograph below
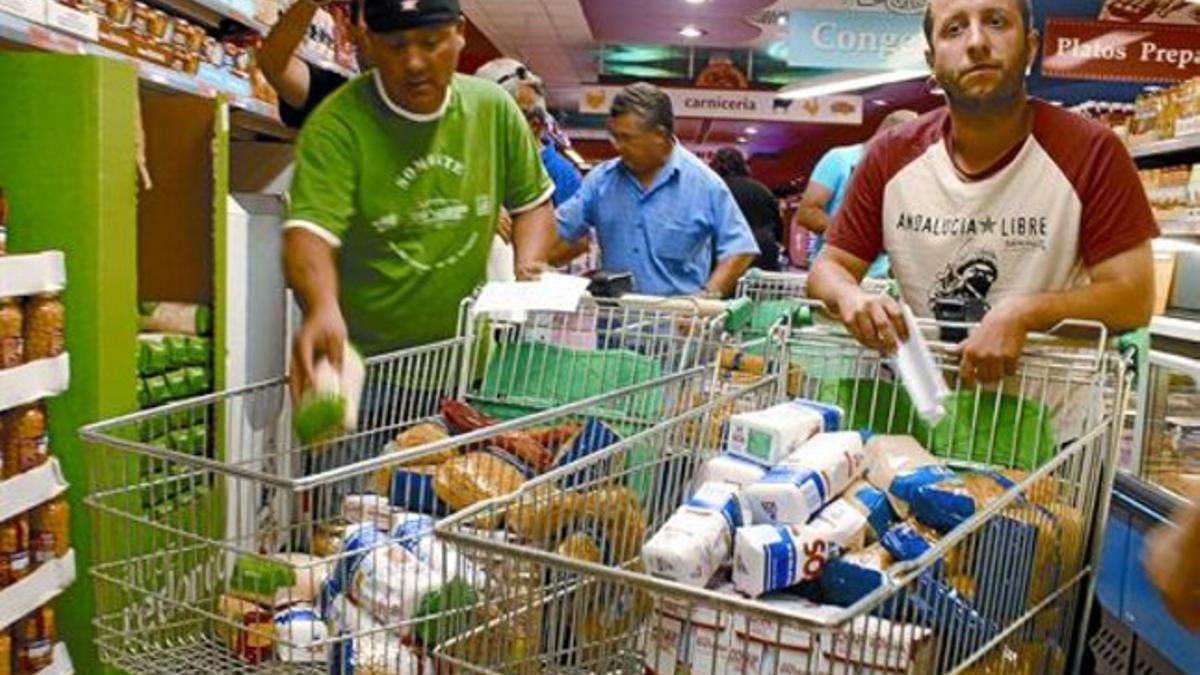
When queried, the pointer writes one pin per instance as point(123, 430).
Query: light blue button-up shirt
point(667, 235)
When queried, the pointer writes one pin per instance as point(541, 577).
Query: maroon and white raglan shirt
point(1066, 199)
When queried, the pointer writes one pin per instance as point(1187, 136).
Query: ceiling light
point(695, 2)
point(878, 101)
point(851, 84)
point(742, 139)
point(692, 32)
point(751, 130)
point(782, 20)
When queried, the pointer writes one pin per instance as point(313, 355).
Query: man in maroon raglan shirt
point(996, 207)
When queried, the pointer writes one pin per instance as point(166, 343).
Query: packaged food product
point(45, 325)
point(821, 469)
point(732, 467)
point(474, 477)
point(946, 504)
point(328, 537)
point(258, 579)
point(14, 548)
point(231, 609)
point(698, 538)
point(851, 577)
point(873, 504)
point(197, 380)
point(35, 635)
point(769, 558)
point(377, 652)
point(593, 437)
point(156, 390)
point(621, 521)
point(309, 570)
point(389, 581)
point(199, 351)
point(255, 640)
point(51, 531)
point(543, 513)
point(368, 508)
point(462, 418)
point(298, 632)
point(423, 434)
point(153, 358)
point(6, 647)
point(171, 317)
point(900, 466)
point(26, 444)
point(412, 489)
point(772, 434)
point(12, 333)
point(330, 405)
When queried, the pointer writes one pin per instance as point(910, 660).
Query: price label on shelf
point(86, 26)
point(52, 41)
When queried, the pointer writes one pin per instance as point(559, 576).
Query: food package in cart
point(683, 637)
point(474, 477)
point(946, 504)
point(734, 468)
point(796, 488)
point(375, 652)
point(900, 466)
point(769, 558)
point(299, 632)
point(873, 504)
point(330, 404)
point(698, 538)
point(773, 433)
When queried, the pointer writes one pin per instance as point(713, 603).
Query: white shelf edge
point(35, 590)
point(29, 274)
point(62, 662)
point(1189, 142)
point(1174, 327)
point(35, 380)
point(31, 489)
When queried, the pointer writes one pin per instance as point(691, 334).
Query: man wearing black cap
point(399, 178)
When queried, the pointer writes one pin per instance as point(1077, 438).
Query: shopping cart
point(196, 546)
point(760, 285)
point(1000, 593)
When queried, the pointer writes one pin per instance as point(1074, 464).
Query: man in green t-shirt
point(400, 176)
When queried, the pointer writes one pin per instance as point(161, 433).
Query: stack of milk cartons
point(698, 539)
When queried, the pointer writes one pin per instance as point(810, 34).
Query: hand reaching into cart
point(1172, 560)
point(323, 334)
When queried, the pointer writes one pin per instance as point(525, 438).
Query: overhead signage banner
point(1105, 50)
point(1176, 12)
point(762, 106)
point(857, 40)
point(888, 6)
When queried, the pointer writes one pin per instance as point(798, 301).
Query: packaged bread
point(1042, 492)
point(475, 477)
point(425, 433)
point(619, 513)
point(368, 508)
point(544, 512)
point(899, 466)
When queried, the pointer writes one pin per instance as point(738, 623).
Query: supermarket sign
point(727, 104)
point(1104, 50)
point(858, 40)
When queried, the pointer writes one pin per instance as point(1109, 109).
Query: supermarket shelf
point(1188, 226)
point(31, 489)
point(35, 590)
point(211, 12)
point(1185, 143)
point(1173, 327)
point(31, 274)
point(325, 64)
point(62, 662)
point(30, 33)
point(35, 380)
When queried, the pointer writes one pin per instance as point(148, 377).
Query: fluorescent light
point(853, 83)
point(783, 20)
point(691, 32)
point(751, 130)
point(742, 139)
point(879, 101)
point(695, 2)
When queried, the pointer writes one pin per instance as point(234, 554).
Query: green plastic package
point(157, 391)
point(198, 380)
point(257, 578)
point(153, 358)
point(432, 621)
point(199, 351)
point(177, 384)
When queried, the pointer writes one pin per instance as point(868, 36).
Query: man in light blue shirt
point(827, 188)
point(658, 211)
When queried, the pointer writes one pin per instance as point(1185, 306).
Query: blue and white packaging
point(772, 434)
point(298, 632)
point(377, 651)
point(593, 437)
point(769, 558)
point(851, 577)
point(698, 538)
point(807, 479)
point(903, 542)
point(390, 581)
point(874, 505)
point(900, 467)
point(734, 468)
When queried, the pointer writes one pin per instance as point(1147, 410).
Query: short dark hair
point(648, 103)
point(1025, 7)
point(728, 162)
point(355, 11)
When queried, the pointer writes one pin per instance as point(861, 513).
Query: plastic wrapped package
point(329, 406)
point(45, 325)
point(1024, 658)
point(900, 466)
point(773, 433)
point(12, 333)
point(309, 571)
point(853, 576)
point(619, 516)
point(375, 652)
point(474, 477)
point(948, 503)
point(412, 488)
point(298, 630)
point(544, 512)
point(698, 538)
point(368, 508)
point(258, 579)
point(175, 317)
point(593, 437)
point(812, 476)
point(732, 467)
point(769, 558)
point(873, 504)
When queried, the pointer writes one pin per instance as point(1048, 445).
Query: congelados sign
point(763, 106)
point(859, 40)
point(1104, 50)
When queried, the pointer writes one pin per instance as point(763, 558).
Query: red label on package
point(1107, 50)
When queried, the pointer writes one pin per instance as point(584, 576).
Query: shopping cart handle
point(1136, 343)
point(739, 313)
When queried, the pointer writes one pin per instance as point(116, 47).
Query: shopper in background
point(827, 189)
point(995, 208)
point(757, 204)
point(399, 179)
point(1172, 560)
point(301, 86)
point(657, 210)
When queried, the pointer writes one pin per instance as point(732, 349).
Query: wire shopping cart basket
point(760, 285)
point(996, 588)
point(208, 517)
point(221, 559)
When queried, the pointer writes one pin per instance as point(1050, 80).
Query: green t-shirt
point(411, 201)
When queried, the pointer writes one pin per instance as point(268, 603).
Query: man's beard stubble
point(1004, 97)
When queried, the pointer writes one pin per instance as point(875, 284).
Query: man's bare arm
point(534, 239)
point(874, 320)
point(309, 265)
point(724, 278)
point(276, 56)
point(811, 213)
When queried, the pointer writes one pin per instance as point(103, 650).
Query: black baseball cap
point(385, 16)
